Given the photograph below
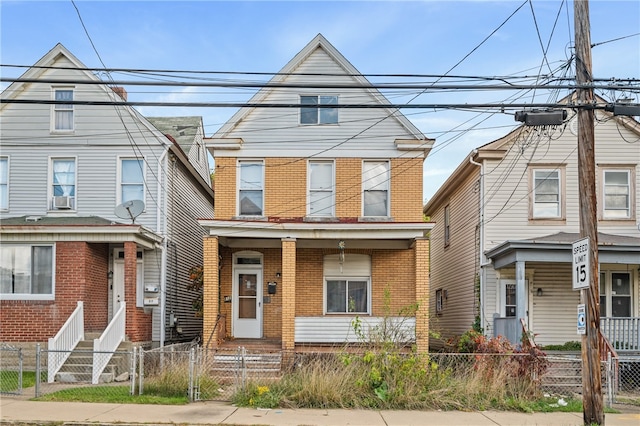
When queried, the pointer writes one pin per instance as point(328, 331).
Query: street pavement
point(18, 410)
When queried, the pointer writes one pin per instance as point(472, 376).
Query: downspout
point(161, 225)
point(481, 262)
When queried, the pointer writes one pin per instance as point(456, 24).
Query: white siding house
point(98, 206)
point(513, 208)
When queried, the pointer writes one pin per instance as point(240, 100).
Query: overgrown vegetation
point(489, 374)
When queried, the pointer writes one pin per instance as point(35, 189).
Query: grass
point(9, 380)
point(111, 394)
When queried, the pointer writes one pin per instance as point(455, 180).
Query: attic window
point(317, 114)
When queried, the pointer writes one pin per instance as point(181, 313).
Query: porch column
point(211, 290)
point(138, 324)
point(521, 296)
point(288, 293)
point(421, 250)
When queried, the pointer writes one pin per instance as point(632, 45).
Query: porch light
point(539, 291)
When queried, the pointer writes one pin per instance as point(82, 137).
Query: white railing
point(105, 345)
point(61, 345)
point(622, 332)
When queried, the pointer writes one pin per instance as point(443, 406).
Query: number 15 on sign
point(581, 270)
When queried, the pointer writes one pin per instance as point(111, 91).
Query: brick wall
point(286, 188)
point(139, 322)
point(81, 274)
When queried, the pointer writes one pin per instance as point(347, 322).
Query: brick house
point(318, 212)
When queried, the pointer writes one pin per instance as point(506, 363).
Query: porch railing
point(107, 343)
point(61, 345)
point(622, 332)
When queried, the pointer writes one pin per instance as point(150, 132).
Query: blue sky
point(480, 38)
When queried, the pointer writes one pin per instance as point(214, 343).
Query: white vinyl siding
point(321, 188)
point(375, 188)
point(251, 188)
point(26, 272)
point(63, 114)
point(4, 183)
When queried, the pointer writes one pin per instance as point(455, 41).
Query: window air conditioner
point(62, 202)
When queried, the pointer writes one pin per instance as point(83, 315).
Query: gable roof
point(183, 129)
point(318, 42)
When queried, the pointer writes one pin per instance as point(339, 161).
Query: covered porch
point(303, 284)
point(533, 282)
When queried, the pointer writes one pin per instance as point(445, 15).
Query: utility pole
point(593, 412)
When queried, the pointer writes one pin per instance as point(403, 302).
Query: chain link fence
point(194, 373)
point(11, 371)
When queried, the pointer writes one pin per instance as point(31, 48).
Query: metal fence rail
point(188, 370)
point(11, 363)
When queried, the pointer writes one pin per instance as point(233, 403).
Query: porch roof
point(255, 234)
point(557, 248)
point(91, 229)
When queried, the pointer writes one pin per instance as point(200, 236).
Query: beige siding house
point(505, 222)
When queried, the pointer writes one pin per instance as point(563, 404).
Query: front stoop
point(254, 365)
point(78, 368)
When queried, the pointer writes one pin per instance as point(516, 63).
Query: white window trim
point(28, 297)
point(6, 157)
point(439, 297)
point(50, 207)
point(238, 183)
point(345, 278)
point(560, 169)
point(52, 119)
point(119, 179)
point(630, 169)
point(332, 191)
point(388, 188)
point(317, 123)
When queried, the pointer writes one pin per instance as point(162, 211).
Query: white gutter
point(481, 262)
point(162, 229)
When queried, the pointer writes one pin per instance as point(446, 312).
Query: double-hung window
point(132, 178)
point(375, 187)
point(615, 294)
point(347, 284)
point(251, 188)
point(321, 188)
point(4, 183)
point(63, 183)
point(63, 113)
point(616, 194)
point(26, 272)
point(317, 112)
point(546, 194)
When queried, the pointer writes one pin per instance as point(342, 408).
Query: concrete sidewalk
point(16, 410)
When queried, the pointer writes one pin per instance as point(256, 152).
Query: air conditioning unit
point(62, 202)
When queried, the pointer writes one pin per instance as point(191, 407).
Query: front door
point(117, 287)
point(247, 303)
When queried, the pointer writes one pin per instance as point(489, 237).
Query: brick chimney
point(120, 91)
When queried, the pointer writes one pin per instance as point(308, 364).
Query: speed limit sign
point(581, 270)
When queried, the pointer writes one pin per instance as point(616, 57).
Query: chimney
point(120, 91)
